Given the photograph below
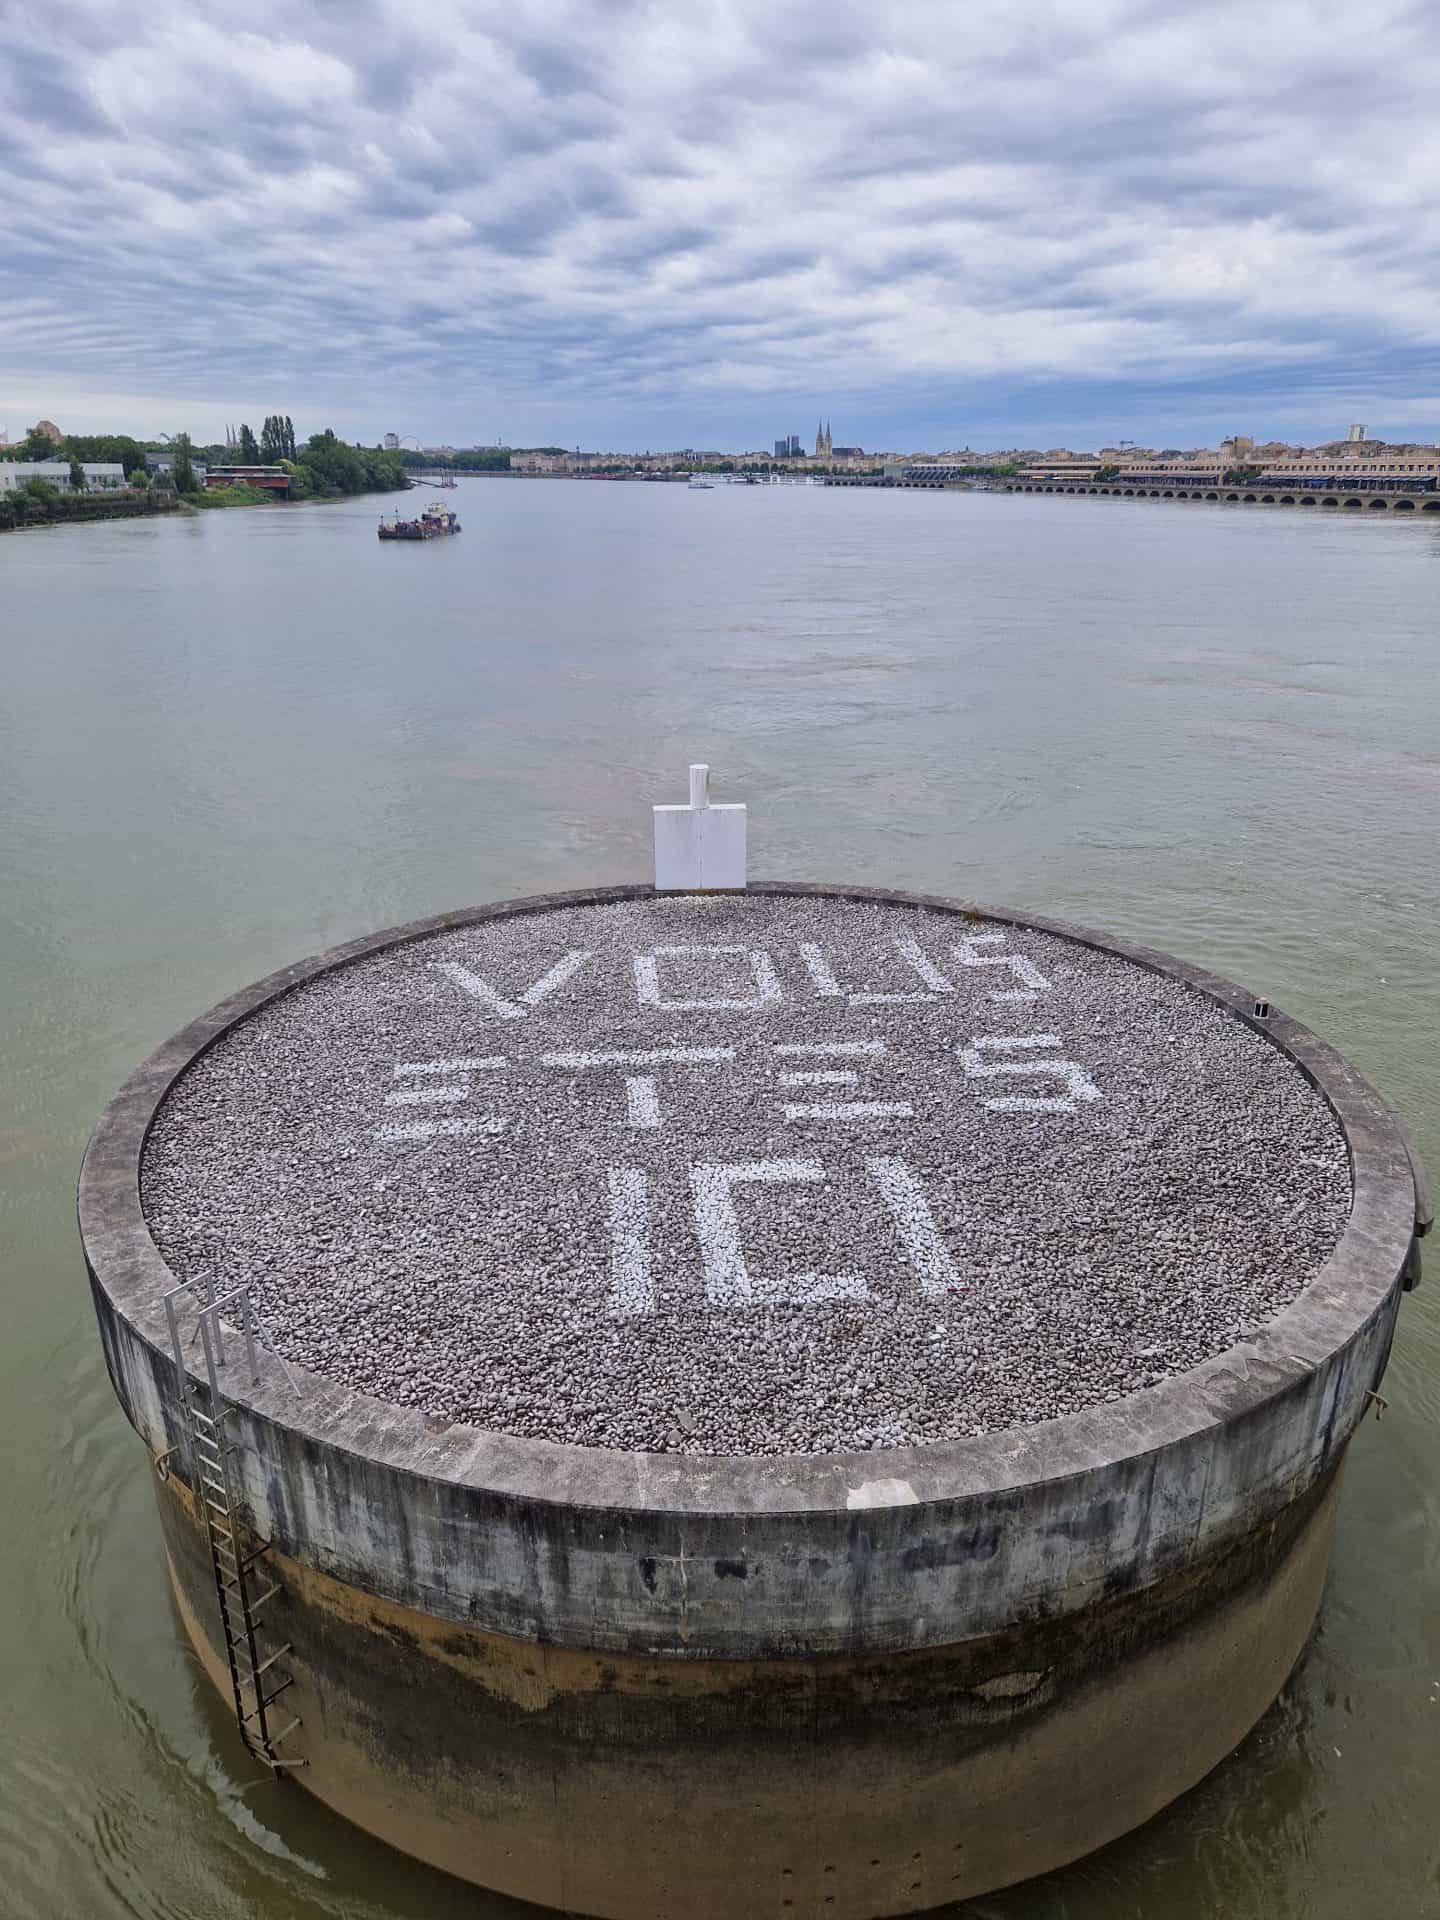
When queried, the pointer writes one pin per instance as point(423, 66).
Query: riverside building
point(101, 476)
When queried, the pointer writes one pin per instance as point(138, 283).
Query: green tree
point(184, 467)
point(78, 482)
point(289, 438)
point(40, 490)
point(106, 446)
point(249, 448)
point(335, 466)
point(39, 446)
point(272, 439)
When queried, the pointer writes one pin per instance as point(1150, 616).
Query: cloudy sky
point(706, 222)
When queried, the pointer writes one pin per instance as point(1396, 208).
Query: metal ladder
point(257, 1680)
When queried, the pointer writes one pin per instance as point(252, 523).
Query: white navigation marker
point(699, 848)
point(503, 1009)
point(728, 1282)
point(1079, 1085)
point(632, 1286)
point(905, 1197)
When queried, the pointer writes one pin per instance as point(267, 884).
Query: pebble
point(1093, 1252)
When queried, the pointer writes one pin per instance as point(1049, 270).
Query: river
point(230, 740)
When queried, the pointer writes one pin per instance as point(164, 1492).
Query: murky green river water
point(228, 741)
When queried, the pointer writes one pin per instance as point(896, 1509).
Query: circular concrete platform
point(754, 1174)
point(697, 1487)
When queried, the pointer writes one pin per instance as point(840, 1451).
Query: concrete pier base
point(652, 1682)
point(840, 1789)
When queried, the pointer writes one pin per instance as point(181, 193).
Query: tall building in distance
point(789, 448)
point(392, 441)
point(824, 443)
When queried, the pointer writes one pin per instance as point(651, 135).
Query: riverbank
point(19, 511)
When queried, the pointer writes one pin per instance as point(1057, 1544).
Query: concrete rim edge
point(1348, 1294)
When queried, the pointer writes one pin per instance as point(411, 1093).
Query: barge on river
point(435, 522)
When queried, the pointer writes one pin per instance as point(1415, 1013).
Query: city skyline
point(1006, 230)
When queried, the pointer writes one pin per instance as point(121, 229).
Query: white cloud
point(595, 217)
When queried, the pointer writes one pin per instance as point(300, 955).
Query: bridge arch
point(1404, 506)
point(1329, 501)
point(1379, 504)
point(1353, 504)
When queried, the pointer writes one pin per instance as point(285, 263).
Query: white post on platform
point(699, 848)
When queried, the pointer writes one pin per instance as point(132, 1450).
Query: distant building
point(1355, 433)
point(1368, 466)
point(51, 432)
point(101, 476)
point(392, 442)
point(789, 448)
point(272, 479)
point(847, 453)
point(824, 446)
point(1061, 465)
point(162, 460)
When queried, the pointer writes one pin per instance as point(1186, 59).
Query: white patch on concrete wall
point(768, 992)
point(881, 1493)
point(905, 1197)
point(728, 1282)
point(825, 1077)
point(1079, 1085)
point(1033, 981)
point(632, 1286)
point(471, 983)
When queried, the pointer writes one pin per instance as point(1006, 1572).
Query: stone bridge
point(1340, 499)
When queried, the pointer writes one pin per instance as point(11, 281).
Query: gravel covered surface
point(544, 1260)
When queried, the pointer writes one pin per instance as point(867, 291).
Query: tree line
point(323, 466)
